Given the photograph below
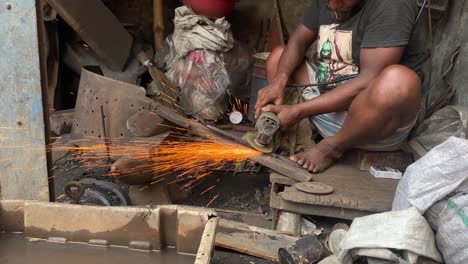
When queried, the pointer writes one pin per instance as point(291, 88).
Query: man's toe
point(301, 162)
point(294, 158)
point(315, 168)
point(306, 165)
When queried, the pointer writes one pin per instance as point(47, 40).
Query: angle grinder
point(266, 139)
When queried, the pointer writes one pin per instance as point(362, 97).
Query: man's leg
point(300, 76)
point(391, 101)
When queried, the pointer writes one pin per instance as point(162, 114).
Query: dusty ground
point(248, 193)
point(244, 192)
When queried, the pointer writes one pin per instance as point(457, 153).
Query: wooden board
point(356, 192)
point(254, 241)
point(99, 28)
point(278, 203)
point(252, 219)
point(23, 166)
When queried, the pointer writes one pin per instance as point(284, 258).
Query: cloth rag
point(194, 32)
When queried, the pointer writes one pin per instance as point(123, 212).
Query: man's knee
point(396, 85)
point(275, 56)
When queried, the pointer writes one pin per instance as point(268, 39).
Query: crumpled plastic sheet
point(437, 185)
point(405, 230)
point(447, 122)
point(203, 80)
point(166, 55)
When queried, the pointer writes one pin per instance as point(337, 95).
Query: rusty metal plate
point(103, 107)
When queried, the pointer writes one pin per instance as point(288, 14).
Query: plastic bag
point(166, 55)
point(450, 219)
point(405, 230)
point(437, 185)
point(434, 176)
point(447, 122)
point(452, 233)
point(203, 80)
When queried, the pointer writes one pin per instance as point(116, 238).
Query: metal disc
point(250, 138)
point(314, 188)
point(236, 117)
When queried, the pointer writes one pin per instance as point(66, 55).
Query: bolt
point(7, 6)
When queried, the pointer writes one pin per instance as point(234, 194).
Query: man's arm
point(291, 58)
point(294, 53)
point(373, 62)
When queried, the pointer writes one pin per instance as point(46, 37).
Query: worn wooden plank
point(23, 166)
point(355, 191)
point(417, 149)
point(351, 198)
point(348, 176)
point(307, 209)
point(254, 241)
point(253, 219)
point(99, 28)
point(278, 178)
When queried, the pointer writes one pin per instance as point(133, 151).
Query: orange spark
point(212, 200)
point(178, 160)
point(197, 159)
point(207, 190)
point(236, 105)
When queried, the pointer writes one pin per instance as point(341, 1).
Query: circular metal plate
point(236, 117)
point(314, 188)
point(250, 138)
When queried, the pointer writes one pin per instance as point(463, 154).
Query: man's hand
point(291, 58)
point(272, 94)
point(287, 114)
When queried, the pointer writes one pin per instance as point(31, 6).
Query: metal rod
point(106, 138)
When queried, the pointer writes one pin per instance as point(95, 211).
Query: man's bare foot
point(319, 158)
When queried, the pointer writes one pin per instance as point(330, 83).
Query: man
point(375, 40)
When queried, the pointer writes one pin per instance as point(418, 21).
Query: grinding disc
point(314, 188)
point(250, 137)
